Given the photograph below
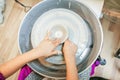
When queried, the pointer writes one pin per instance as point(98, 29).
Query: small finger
point(59, 52)
point(55, 52)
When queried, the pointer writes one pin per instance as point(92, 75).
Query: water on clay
point(69, 4)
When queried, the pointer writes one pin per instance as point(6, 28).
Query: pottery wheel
point(78, 32)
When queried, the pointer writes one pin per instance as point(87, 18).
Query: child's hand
point(69, 49)
point(46, 47)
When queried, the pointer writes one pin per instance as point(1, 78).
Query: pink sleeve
point(2, 77)
point(24, 72)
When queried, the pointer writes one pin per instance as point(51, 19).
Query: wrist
point(35, 53)
point(70, 61)
point(68, 54)
point(69, 57)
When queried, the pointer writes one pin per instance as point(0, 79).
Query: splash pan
point(78, 23)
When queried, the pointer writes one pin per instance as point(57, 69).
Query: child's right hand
point(69, 49)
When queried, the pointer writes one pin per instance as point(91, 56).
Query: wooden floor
point(14, 14)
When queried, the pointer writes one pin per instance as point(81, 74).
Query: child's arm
point(10, 67)
point(69, 50)
point(45, 48)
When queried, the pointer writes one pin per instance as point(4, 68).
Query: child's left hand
point(47, 46)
